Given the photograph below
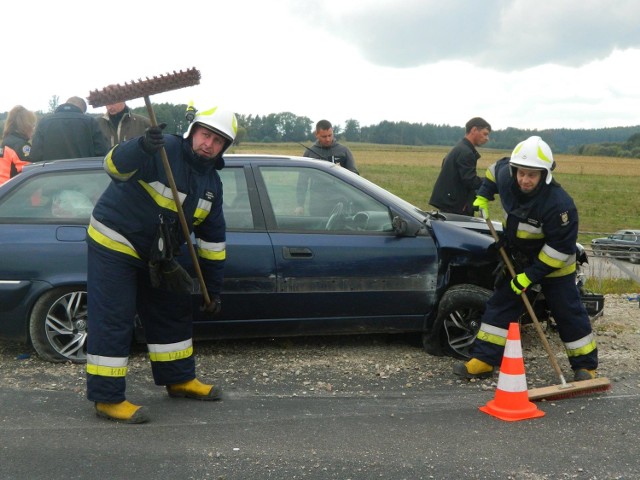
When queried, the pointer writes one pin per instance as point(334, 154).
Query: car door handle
point(297, 252)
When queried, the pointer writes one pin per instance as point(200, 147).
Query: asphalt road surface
point(387, 433)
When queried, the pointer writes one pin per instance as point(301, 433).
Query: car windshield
point(393, 198)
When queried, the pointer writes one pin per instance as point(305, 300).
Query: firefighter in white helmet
point(133, 239)
point(540, 233)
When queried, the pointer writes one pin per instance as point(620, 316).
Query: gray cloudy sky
point(495, 34)
point(544, 64)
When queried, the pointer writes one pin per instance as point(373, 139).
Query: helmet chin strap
point(217, 161)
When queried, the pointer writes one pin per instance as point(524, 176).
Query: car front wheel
point(634, 256)
point(458, 321)
point(58, 325)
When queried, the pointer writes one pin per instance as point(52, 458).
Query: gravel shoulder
point(349, 366)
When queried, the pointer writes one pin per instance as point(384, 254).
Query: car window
point(305, 199)
point(60, 196)
point(236, 205)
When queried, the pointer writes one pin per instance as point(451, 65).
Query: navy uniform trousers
point(570, 315)
point(119, 287)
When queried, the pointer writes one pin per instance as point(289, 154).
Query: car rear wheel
point(58, 325)
point(634, 256)
point(458, 321)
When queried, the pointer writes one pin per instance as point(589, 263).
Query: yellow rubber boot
point(474, 368)
point(194, 389)
point(584, 374)
point(125, 412)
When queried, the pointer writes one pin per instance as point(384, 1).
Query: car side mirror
point(400, 226)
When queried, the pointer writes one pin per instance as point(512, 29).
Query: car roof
point(628, 232)
point(233, 158)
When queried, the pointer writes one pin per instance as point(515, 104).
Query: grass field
point(606, 189)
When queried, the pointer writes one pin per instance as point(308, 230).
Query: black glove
point(169, 275)
point(213, 308)
point(153, 140)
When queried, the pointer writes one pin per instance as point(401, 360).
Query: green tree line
point(289, 127)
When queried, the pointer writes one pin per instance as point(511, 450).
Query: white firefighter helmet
point(222, 122)
point(533, 153)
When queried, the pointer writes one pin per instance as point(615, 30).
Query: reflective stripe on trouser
point(572, 320)
point(167, 319)
point(563, 299)
point(118, 288)
point(503, 307)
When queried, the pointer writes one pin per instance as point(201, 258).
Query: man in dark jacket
point(327, 148)
point(68, 133)
point(119, 123)
point(324, 148)
point(455, 187)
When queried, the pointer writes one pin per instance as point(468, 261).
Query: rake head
point(144, 88)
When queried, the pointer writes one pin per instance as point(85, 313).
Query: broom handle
point(176, 199)
point(525, 299)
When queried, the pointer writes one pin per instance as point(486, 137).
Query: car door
point(249, 272)
point(43, 227)
point(336, 253)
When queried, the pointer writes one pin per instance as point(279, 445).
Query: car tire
point(58, 325)
point(458, 321)
point(634, 256)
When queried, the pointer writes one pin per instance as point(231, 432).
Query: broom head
point(144, 88)
point(569, 390)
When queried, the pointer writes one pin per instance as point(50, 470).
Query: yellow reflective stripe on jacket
point(561, 272)
point(527, 231)
point(211, 250)
point(583, 346)
point(111, 169)
point(107, 366)
point(554, 258)
point(491, 334)
point(202, 210)
point(110, 239)
point(168, 352)
point(162, 195)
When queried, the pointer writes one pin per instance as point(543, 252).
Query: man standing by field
point(324, 148)
point(455, 187)
point(119, 123)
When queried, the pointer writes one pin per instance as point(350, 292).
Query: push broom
point(554, 392)
point(146, 88)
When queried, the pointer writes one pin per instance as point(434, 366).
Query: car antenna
point(314, 152)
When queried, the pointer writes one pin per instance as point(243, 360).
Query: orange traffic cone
point(511, 402)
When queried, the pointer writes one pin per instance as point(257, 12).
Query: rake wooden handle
point(176, 199)
point(527, 304)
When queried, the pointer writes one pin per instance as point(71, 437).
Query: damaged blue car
point(312, 249)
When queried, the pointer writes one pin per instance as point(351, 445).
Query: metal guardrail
point(620, 255)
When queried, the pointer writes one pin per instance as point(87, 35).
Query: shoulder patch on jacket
point(564, 219)
point(209, 195)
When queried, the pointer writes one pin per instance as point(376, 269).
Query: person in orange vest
point(18, 130)
point(10, 164)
